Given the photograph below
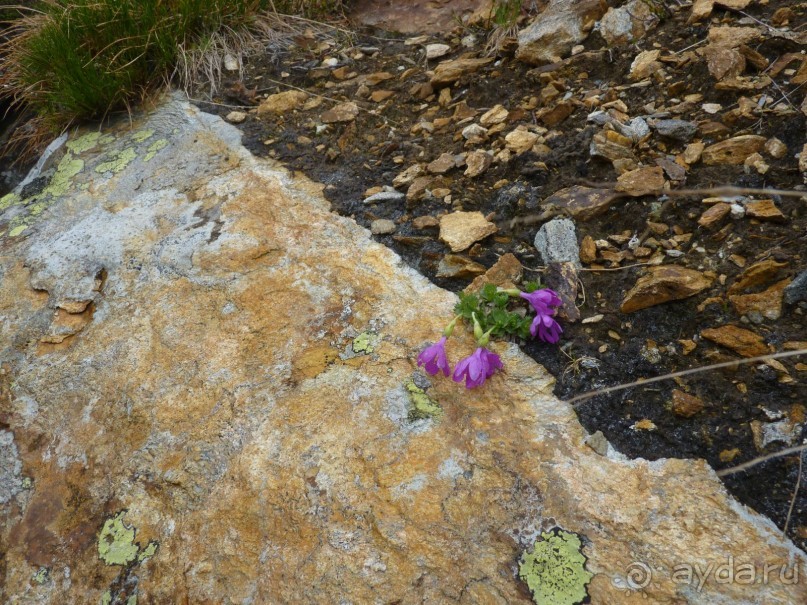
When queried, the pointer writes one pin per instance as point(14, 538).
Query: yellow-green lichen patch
point(106, 598)
point(84, 142)
point(27, 483)
point(423, 406)
point(132, 600)
point(554, 569)
point(147, 552)
point(17, 230)
point(9, 200)
point(59, 184)
point(154, 148)
point(122, 159)
point(142, 135)
point(116, 542)
point(41, 576)
point(364, 343)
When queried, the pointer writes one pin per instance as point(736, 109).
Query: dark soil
point(373, 149)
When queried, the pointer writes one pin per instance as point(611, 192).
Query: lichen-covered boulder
point(208, 394)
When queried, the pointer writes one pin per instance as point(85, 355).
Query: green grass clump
point(79, 59)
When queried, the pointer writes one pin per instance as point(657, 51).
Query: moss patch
point(423, 406)
point(554, 569)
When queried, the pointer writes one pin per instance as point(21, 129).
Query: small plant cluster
point(495, 312)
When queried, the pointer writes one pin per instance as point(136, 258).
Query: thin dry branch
point(726, 364)
point(759, 460)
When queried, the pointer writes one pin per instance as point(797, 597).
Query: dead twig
point(759, 460)
point(726, 364)
point(795, 493)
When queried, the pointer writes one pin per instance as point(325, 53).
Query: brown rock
point(685, 405)
point(477, 162)
point(448, 72)
point(425, 222)
point(378, 96)
point(417, 189)
point(757, 274)
point(764, 210)
point(611, 146)
point(443, 164)
point(344, 112)
point(454, 265)
point(775, 148)
point(582, 203)
point(505, 273)
point(496, 115)
point(733, 151)
point(282, 102)
point(767, 304)
point(642, 181)
point(693, 152)
point(644, 64)
point(712, 218)
point(553, 33)
point(406, 177)
point(520, 140)
point(266, 451)
point(588, 250)
point(461, 229)
point(663, 284)
point(741, 341)
point(563, 278)
point(724, 61)
point(556, 115)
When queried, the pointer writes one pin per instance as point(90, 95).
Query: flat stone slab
point(236, 415)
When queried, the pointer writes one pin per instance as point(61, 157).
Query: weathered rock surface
point(663, 284)
point(741, 341)
point(233, 423)
point(553, 33)
point(461, 229)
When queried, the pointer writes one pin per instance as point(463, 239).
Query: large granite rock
point(553, 33)
point(208, 394)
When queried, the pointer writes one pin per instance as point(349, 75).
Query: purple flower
point(542, 300)
point(477, 368)
point(434, 359)
point(548, 329)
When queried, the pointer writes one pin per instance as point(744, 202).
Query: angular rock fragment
point(582, 203)
point(553, 33)
point(733, 151)
point(461, 229)
point(797, 291)
point(562, 277)
point(496, 115)
point(685, 405)
point(477, 162)
point(766, 304)
point(454, 265)
point(663, 284)
point(642, 181)
point(644, 64)
point(505, 273)
point(680, 130)
point(449, 72)
point(344, 112)
point(628, 23)
point(556, 241)
point(764, 210)
point(712, 218)
point(520, 140)
point(741, 341)
point(757, 274)
point(435, 51)
point(282, 102)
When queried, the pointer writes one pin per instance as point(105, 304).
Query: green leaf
point(532, 286)
point(488, 292)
